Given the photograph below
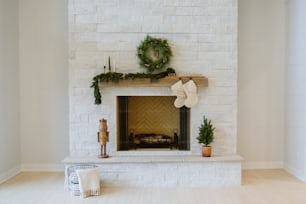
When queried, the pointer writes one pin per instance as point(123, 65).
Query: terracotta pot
point(206, 151)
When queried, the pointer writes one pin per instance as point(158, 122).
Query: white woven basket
point(73, 183)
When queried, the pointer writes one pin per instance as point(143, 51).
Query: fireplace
point(204, 43)
point(151, 122)
point(206, 47)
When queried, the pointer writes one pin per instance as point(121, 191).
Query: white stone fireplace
point(203, 37)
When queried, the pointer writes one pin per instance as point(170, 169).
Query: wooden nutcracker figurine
point(103, 138)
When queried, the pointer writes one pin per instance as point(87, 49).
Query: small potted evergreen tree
point(206, 136)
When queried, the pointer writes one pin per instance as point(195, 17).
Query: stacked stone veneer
point(203, 37)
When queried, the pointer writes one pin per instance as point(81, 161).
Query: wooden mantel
point(200, 81)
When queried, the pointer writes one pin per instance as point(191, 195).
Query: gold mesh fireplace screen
point(152, 114)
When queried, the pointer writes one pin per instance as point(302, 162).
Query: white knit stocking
point(190, 89)
point(178, 90)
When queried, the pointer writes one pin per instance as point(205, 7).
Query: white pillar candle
point(114, 65)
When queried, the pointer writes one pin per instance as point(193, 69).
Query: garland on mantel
point(116, 77)
point(104, 77)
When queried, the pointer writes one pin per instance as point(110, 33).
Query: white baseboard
point(26, 167)
point(9, 174)
point(262, 165)
point(297, 174)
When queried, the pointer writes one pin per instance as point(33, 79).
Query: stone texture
point(203, 36)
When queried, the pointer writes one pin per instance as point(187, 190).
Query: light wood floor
point(259, 187)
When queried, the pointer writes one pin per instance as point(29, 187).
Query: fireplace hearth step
point(150, 159)
point(164, 171)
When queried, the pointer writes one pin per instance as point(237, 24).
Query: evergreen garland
point(116, 77)
point(153, 77)
point(161, 50)
point(104, 77)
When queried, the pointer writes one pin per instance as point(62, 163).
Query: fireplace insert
point(151, 140)
point(152, 122)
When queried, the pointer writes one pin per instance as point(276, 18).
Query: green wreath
point(154, 53)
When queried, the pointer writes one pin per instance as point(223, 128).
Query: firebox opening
point(151, 123)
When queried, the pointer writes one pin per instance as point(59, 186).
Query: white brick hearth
point(165, 171)
point(203, 37)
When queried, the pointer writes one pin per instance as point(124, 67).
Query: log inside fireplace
point(151, 122)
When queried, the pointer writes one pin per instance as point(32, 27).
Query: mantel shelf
point(200, 81)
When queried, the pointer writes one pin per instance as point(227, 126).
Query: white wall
point(295, 141)
point(261, 69)
point(9, 90)
point(43, 83)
